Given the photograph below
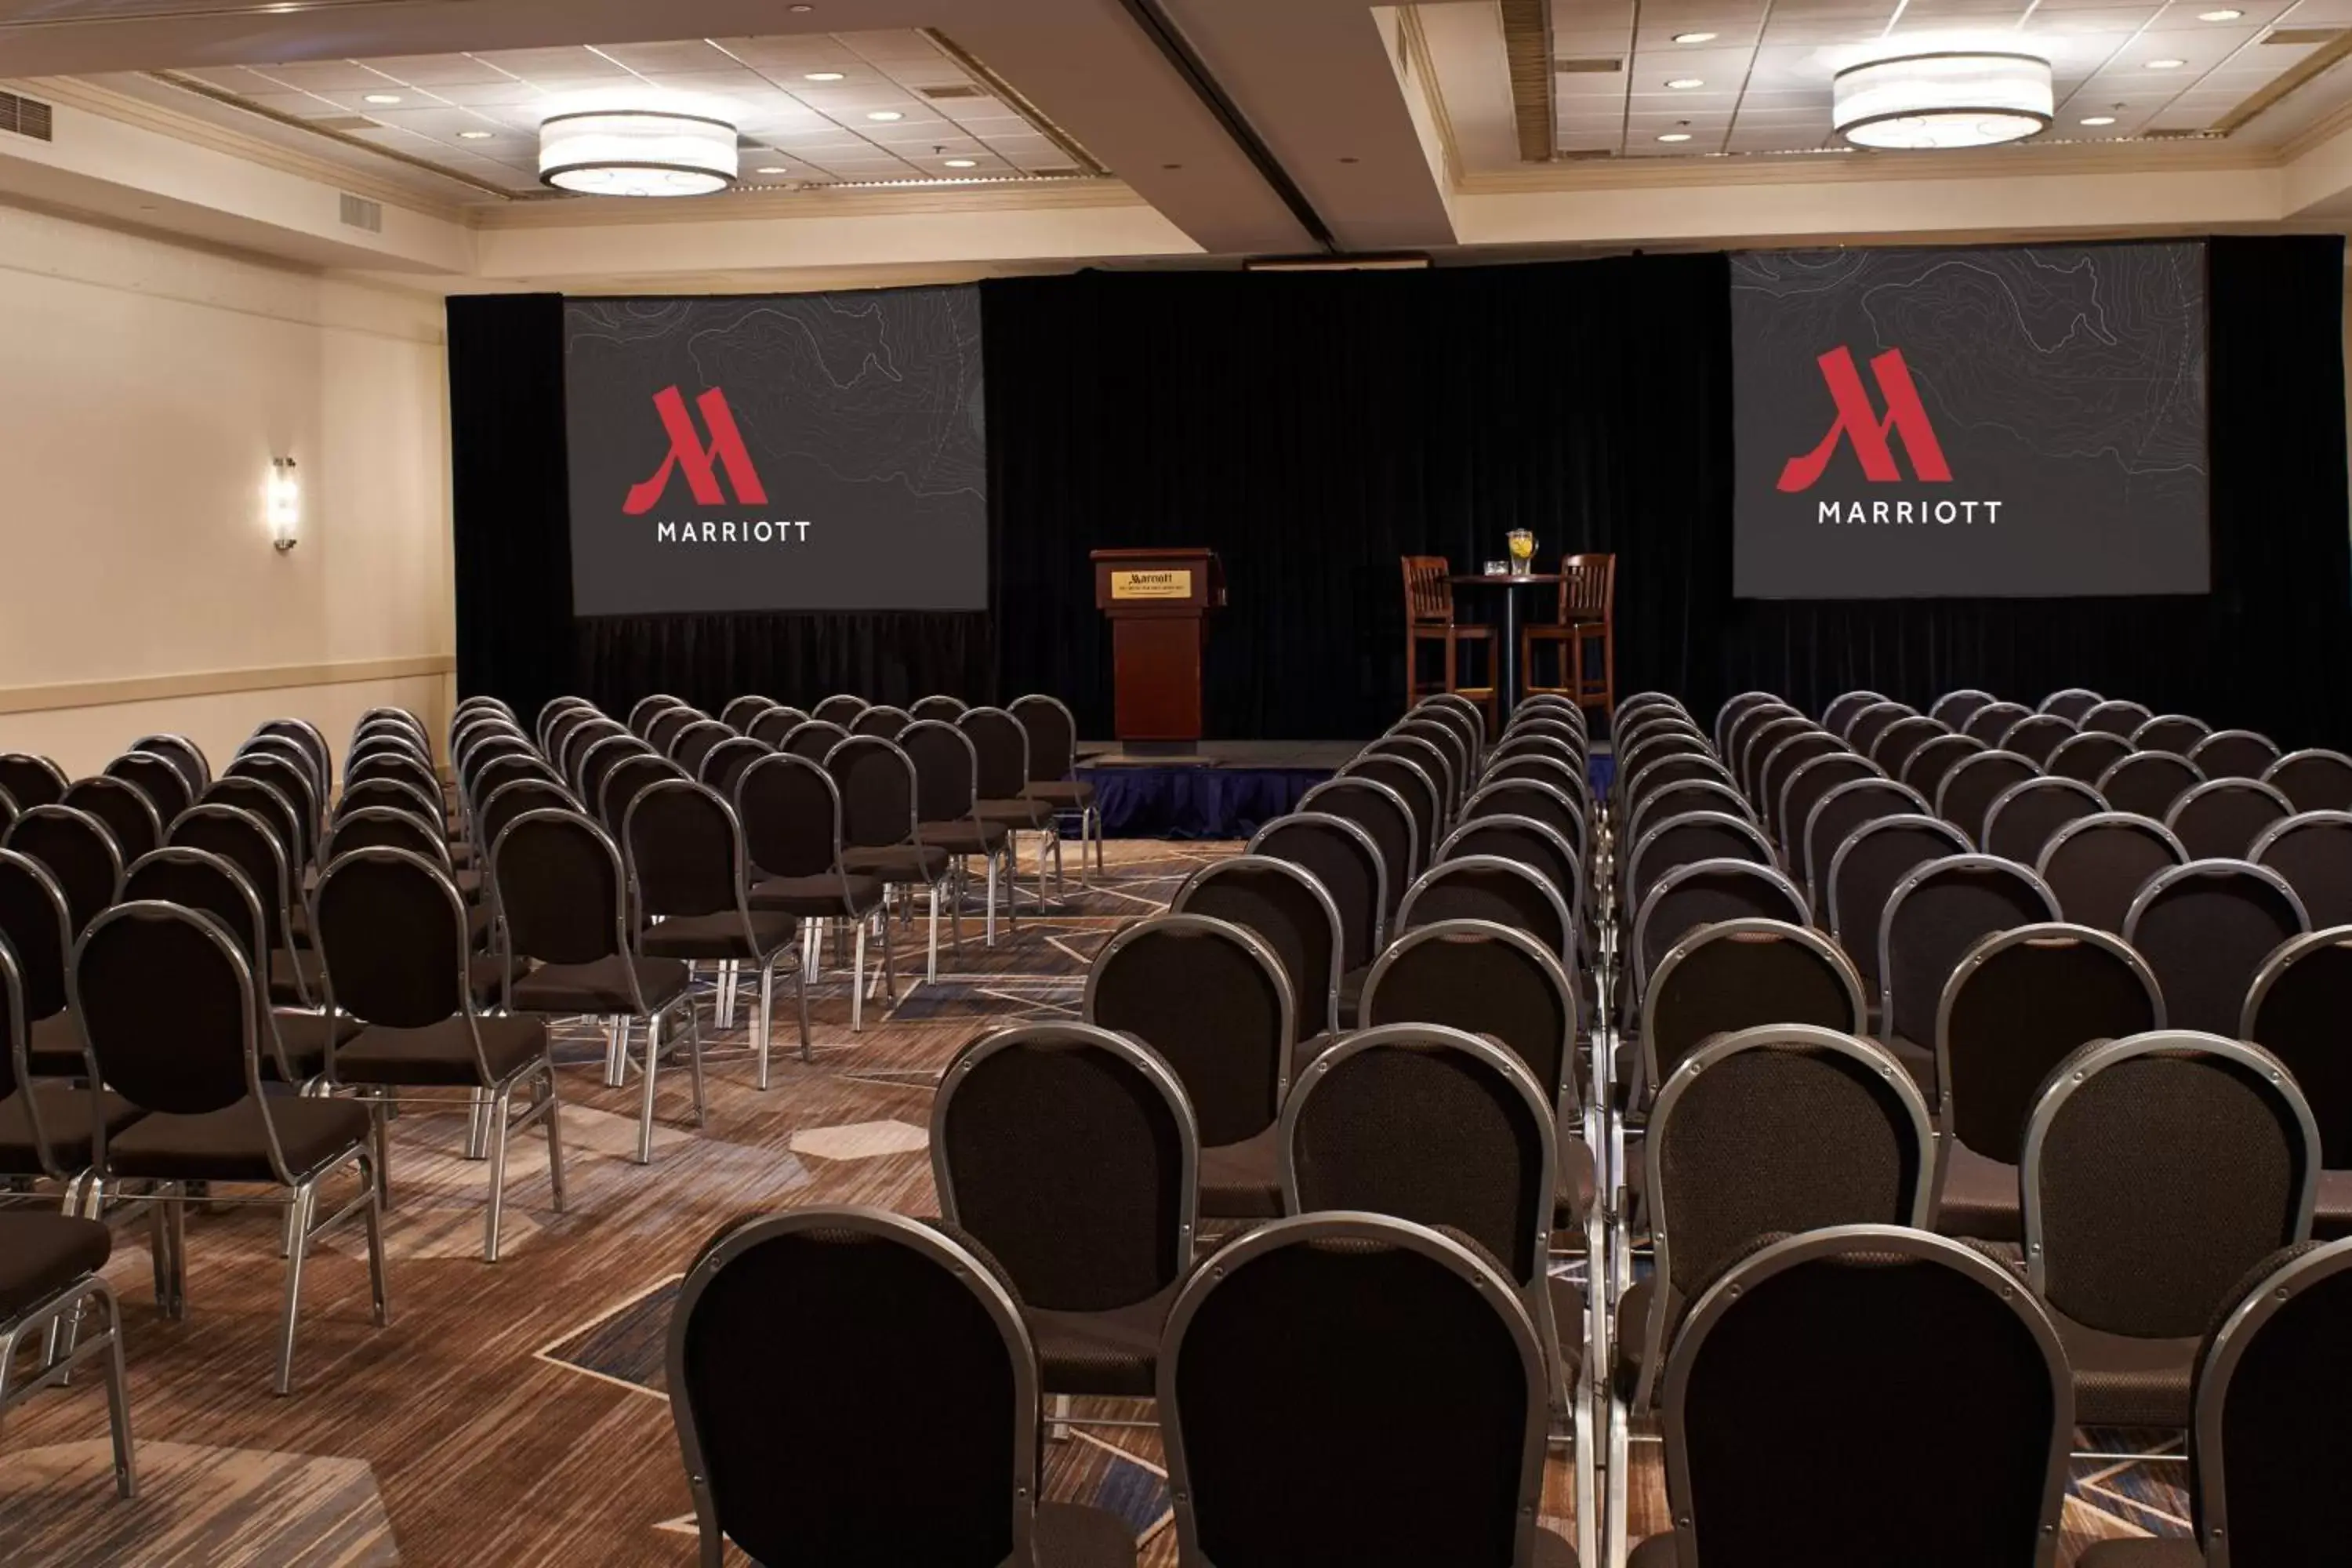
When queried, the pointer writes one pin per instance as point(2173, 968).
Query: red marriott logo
point(1858, 422)
point(701, 463)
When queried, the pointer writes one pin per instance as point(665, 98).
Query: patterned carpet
point(513, 1413)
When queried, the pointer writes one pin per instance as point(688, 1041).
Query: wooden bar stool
point(1588, 606)
point(1429, 618)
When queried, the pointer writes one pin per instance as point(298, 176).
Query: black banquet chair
point(1343, 1388)
point(1815, 1338)
point(866, 1316)
point(2313, 851)
point(31, 781)
point(2096, 865)
point(51, 1276)
point(1341, 855)
point(2315, 780)
point(2206, 929)
point(1071, 1154)
point(2295, 1010)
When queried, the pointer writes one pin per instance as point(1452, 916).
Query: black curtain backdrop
point(1313, 427)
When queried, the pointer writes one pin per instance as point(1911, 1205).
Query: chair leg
point(380, 1133)
point(767, 1014)
point(502, 1108)
point(645, 1106)
point(118, 1397)
point(890, 967)
point(1012, 883)
point(554, 1138)
point(1094, 817)
point(301, 1205)
point(694, 1064)
point(616, 1056)
point(800, 985)
point(857, 980)
point(931, 968)
point(379, 1283)
point(478, 1127)
point(989, 933)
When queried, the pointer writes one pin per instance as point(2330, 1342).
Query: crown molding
point(2056, 159)
point(75, 93)
point(1424, 81)
point(815, 201)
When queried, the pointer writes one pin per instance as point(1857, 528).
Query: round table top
point(1502, 579)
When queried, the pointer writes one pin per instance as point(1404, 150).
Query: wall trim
point(219, 683)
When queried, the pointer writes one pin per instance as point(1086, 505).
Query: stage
point(1226, 789)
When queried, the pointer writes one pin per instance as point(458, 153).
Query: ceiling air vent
point(1058, 173)
point(1589, 65)
point(344, 122)
point(2303, 35)
point(1580, 154)
point(26, 117)
point(961, 89)
point(2174, 133)
point(361, 213)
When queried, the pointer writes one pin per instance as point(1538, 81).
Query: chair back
point(2222, 818)
point(684, 851)
point(2273, 1383)
point(2021, 823)
point(1423, 796)
point(2021, 1002)
point(790, 813)
point(2313, 850)
point(559, 885)
point(629, 778)
point(1809, 783)
point(774, 723)
point(1739, 733)
point(865, 1315)
point(1757, 742)
point(946, 770)
point(1537, 845)
point(1862, 732)
point(1816, 1338)
point(184, 755)
point(2117, 717)
point(1288, 909)
point(879, 792)
point(1835, 816)
point(2295, 1010)
point(2036, 735)
point(398, 764)
point(1938, 912)
point(243, 840)
point(1775, 1129)
point(945, 709)
point(1898, 741)
point(125, 809)
point(1740, 975)
point(1430, 1124)
point(1785, 758)
point(1685, 840)
point(1483, 978)
point(1933, 763)
point(1001, 746)
point(2149, 783)
point(1588, 588)
point(2070, 703)
point(664, 728)
point(2313, 780)
point(1505, 890)
point(2087, 757)
point(723, 764)
point(1955, 709)
point(159, 779)
point(2158, 1170)
point(1534, 767)
point(1841, 710)
point(2096, 865)
point(508, 801)
point(2234, 754)
point(391, 939)
point(1991, 721)
point(1649, 803)
point(300, 790)
point(1070, 1153)
point(1343, 857)
point(167, 1003)
point(887, 722)
point(1706, 892)
point(1447, 757)
point(37, 925)
point(1467, 725)
point(394, 794)
point(1966, 797)
point(598, 762)
point(2175, 733)
point(1052, 736)
point(382, 827)
point(839, 710)
point(78, 850)
point(1350, 1388)
point(1428, 592)
point(814, 740)
point(31, 781)
point(1384, 815)
point(2206, 929)
point(1865, 871)
point(693, 743)
point(739, 711)
point(573, 748)
point(1212, 1000)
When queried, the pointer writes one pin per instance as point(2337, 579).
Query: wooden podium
point(1159, 603)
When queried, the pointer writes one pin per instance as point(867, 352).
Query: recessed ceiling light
point(823, 76)
point(1694, 37)
point(964, 163)
point(2098, 120)
point(473, 136)
point(383, 98)
point(772, 169)
point(1684, 81)
point(2219, 16)
point(1676, 136)
point(2166, 65)
point(886, 115)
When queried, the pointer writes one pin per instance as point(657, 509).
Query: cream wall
point(144, 387)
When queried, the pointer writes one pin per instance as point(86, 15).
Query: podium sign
point(1159, 603)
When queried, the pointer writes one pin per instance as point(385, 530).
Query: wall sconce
point(285, 504)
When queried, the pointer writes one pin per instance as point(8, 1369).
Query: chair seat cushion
point(962, 836)
point(2142, 1554)
point(2120, 1380)
point(721, 936)
point(1114, 1353)
point(67, 1116)
point(1981, 1196)
point(602, 986)
point(817, 897)
point(1244, 1180)
point(55, 1047)
point(1072, 1535)
point(41, 1254)
point(305, 1038)
point(443, 1054)
point(1919, 1062)
point(898, 862)
point(233, 1145)
point(1016, 813)
point(485, 974)
point(1064, 794)
point(292, 970)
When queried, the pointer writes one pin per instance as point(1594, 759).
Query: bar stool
point(1588, 606)
point(1429, 618)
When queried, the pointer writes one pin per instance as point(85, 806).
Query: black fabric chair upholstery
point(2315, 780)
point(1990, 721)
point(2234, 754)
point(2096, 865)
point(2296, 1010)
point(2149, 783)
point(1738, 974)
point(2223, 818)
point(31, 781)
point(2313, 851)
point(2035, 736)
point(1706, 892)
point(1937, 913)
point(1967, 793)
point(2206, 929)
point(2158, 1169)
point(1491, 887)
point(1808, 784)
point(77, 851)
point(1865, 872)
point(1341, 855)
point(2021, 823)
point(36, 924)
point(1384, 815)
point(1291, 912)
point(1836, 815)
